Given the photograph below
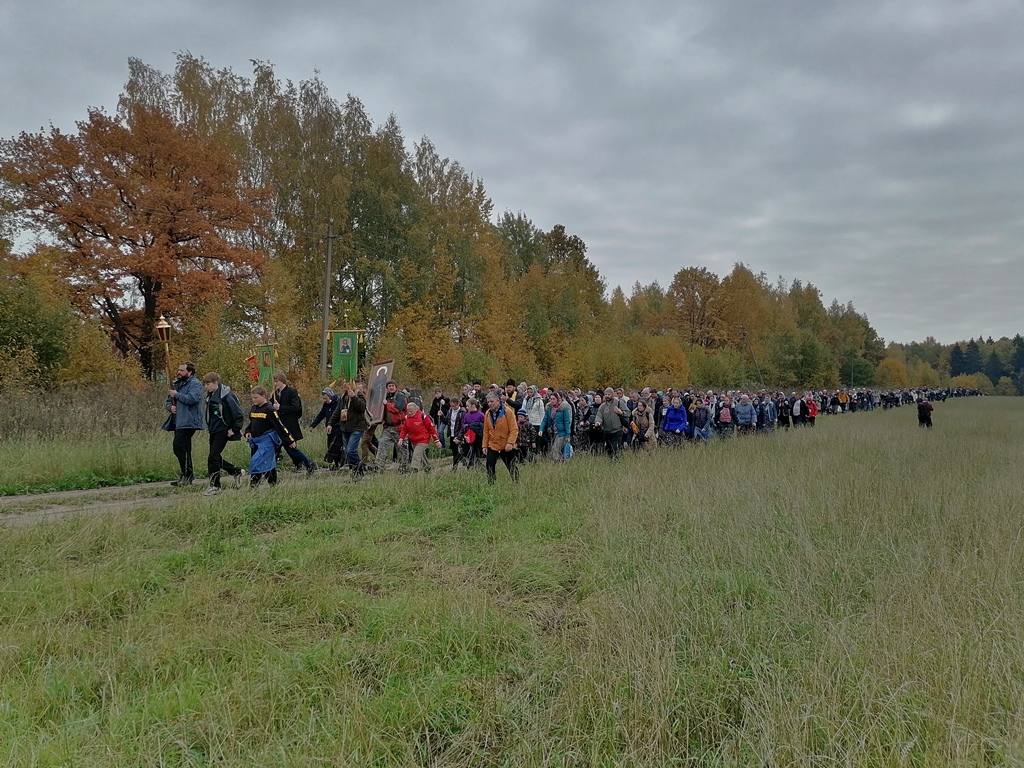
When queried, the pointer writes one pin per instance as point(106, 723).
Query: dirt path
point(58, 505)
point(40, 507)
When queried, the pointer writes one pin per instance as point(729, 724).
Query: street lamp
point(163, 332)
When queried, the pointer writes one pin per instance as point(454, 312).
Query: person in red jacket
point(811, 408)
point(419, 430)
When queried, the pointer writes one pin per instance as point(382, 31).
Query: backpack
point(725, 415)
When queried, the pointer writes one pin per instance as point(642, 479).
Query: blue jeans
point(352, 449)
point(298, 457)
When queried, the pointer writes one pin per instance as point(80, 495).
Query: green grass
point(39, 465)
point(848, 595)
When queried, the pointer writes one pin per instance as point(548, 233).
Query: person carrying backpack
point(419, 430)
point(924, 414)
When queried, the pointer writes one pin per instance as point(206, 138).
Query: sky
point(873, 148)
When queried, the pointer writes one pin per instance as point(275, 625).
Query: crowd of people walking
point(511, 424)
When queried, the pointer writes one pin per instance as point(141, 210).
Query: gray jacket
point(190, 403)
point(611, 421)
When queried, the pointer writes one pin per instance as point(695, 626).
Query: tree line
point(205, 197)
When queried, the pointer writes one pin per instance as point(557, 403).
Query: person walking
point(394, 414)
point(330, 405)
point(454, 425)
point(642, 426)
point(673, 423)
point(185, 404)
point(700, 420)
point(418, 430)
point(746, 416)
point(224, 423)
point(470, 434)
point(439, 408)
point(288, 404)
point(610, 420)
point(338, 434)
point(500, 434)
point(265, 433)
point(526, 443)
point(924, 414)
point(358, 421)
point(556, 425)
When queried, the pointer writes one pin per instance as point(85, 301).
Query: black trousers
point(183, 451)
point(216, 464)
point(257, 477)
point(612, 443)
point(509, 457)
point(336, 447)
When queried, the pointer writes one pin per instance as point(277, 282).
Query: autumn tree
point(649, 308)
point(35, 323)
point(891, 373)
point(151, 216)
point(694, 300)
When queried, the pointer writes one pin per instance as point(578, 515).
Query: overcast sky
point(874, 148)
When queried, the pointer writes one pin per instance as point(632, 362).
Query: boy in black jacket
point(224, 421)
point(263, 419)
point(288, 404)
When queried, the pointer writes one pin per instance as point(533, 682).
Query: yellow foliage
point(431, 352)
point(660, 361)
point(978, 381)
point(891, 374)
point(92, 360)
point(923, 375)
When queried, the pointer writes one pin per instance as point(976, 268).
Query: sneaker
point(182, 481)
point(240, 478)
point(213, 490)
point(310, 468)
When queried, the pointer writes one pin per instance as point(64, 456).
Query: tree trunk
point(149, 289)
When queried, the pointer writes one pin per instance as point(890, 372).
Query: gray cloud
point(870, 148)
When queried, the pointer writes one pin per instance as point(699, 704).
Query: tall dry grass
point(86, 438)
point(848, 595)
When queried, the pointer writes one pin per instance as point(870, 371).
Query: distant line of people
point(512, 424)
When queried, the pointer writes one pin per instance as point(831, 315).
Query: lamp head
point(163, 329)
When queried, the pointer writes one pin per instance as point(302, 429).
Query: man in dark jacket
point(512, 399)
point(224, 422)
point(185, 404)
point(349, 422)
point(326, 411)
point(288, 404)
point(610, 421)
point(439, 413)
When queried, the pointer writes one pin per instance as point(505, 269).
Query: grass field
point(848, 595)
point(71, 439)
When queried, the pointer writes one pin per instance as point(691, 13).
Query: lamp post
point(327, 300)
point(163, 332)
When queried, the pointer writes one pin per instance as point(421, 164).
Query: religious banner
point(377, 389)
point(345, 355)
point(266, 363)
point(253, 366)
